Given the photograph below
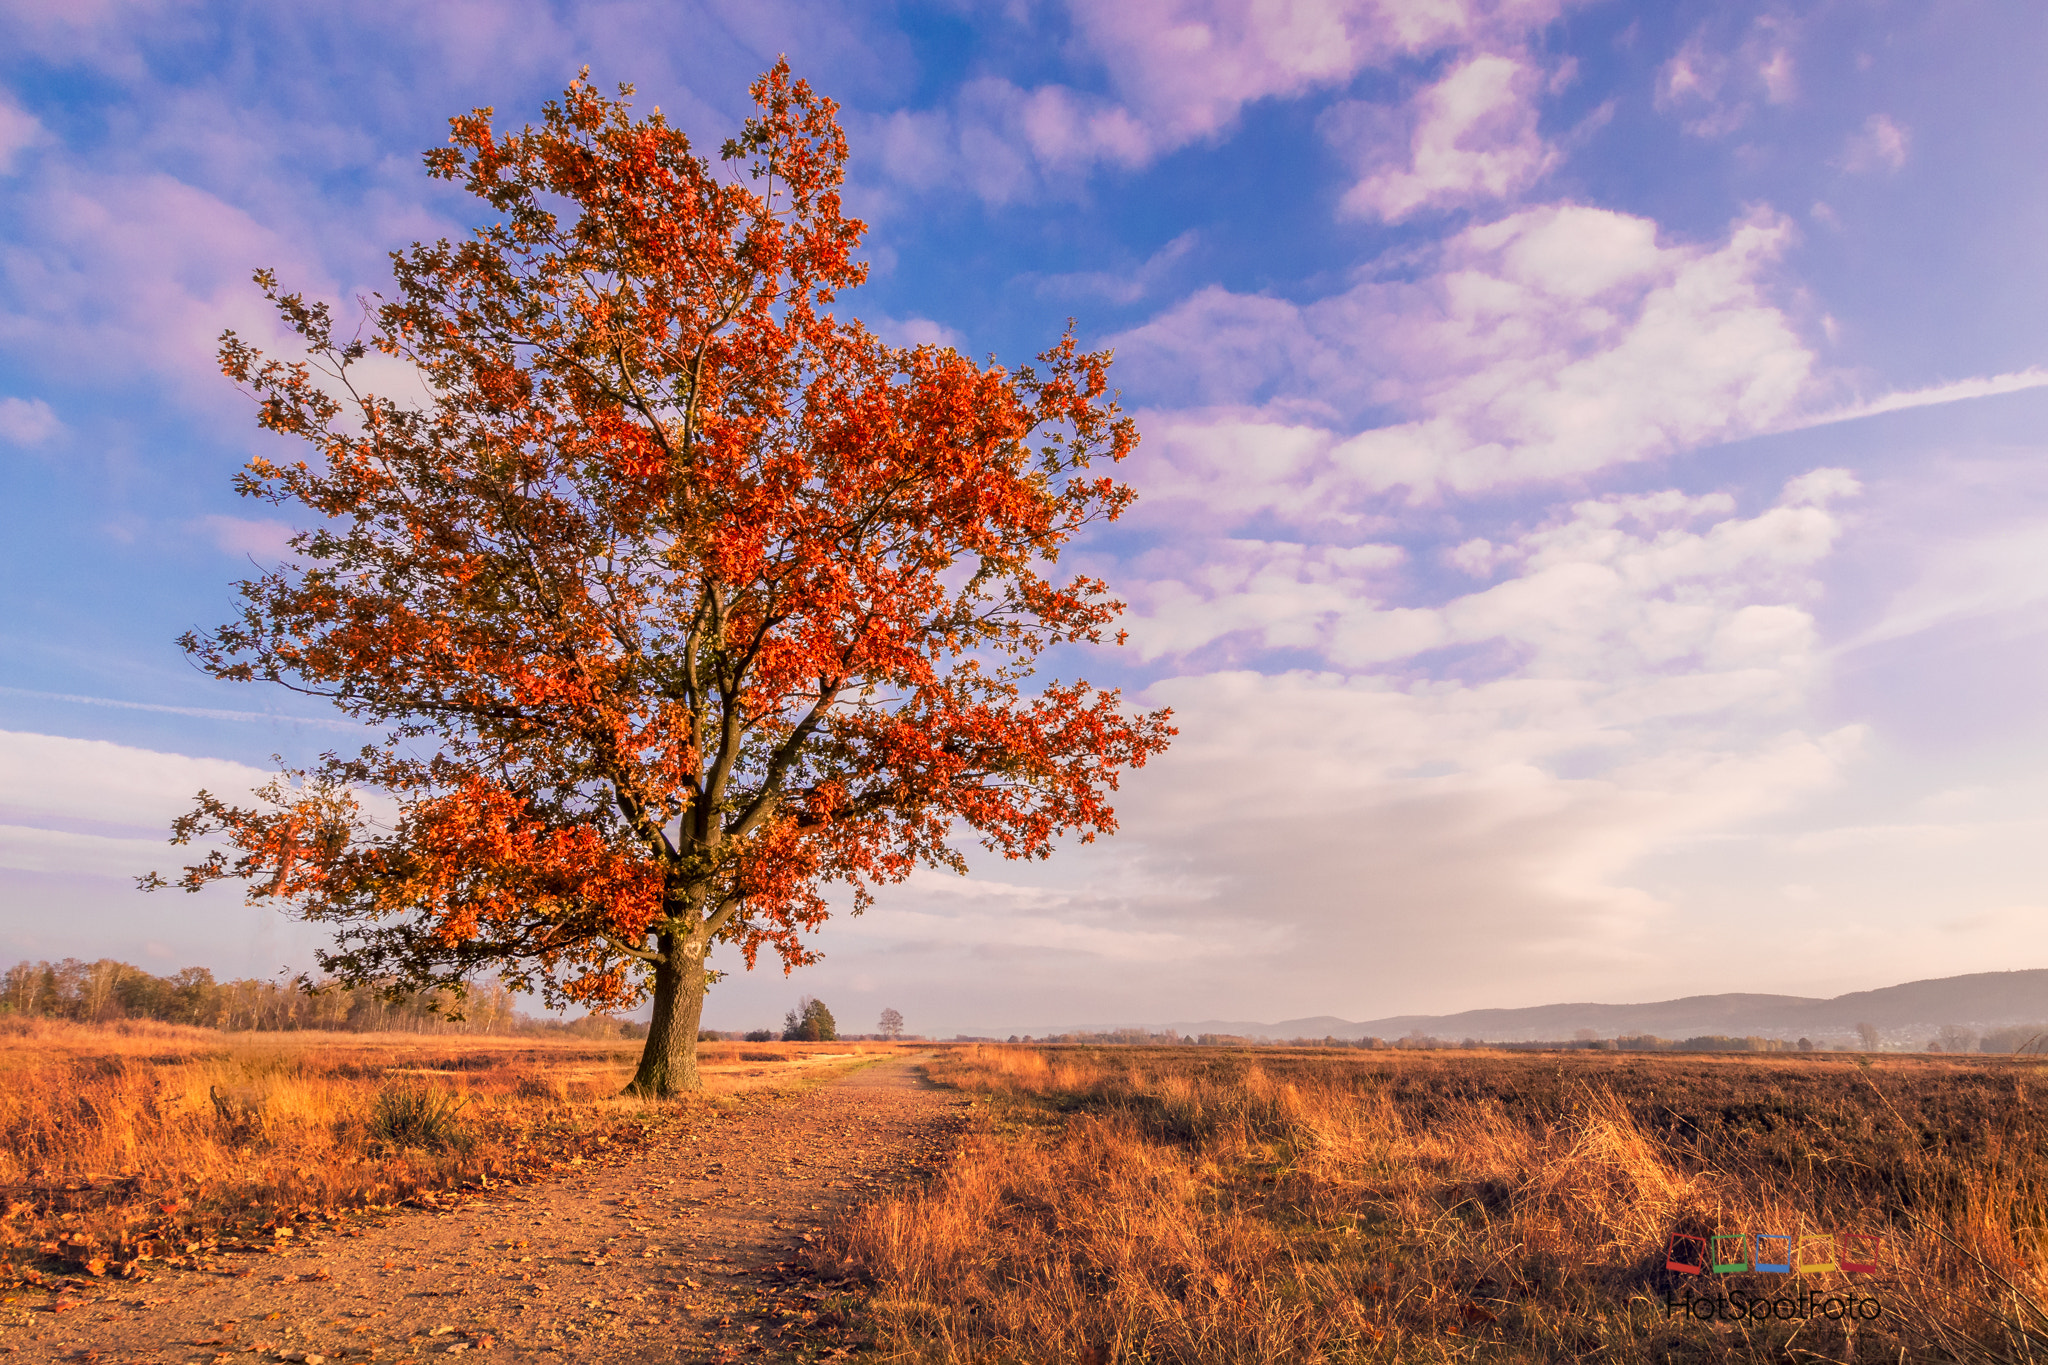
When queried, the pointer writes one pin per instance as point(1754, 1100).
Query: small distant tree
point(1806, 1044)
point(892, 1023)
point(1868, 1035)
point(760, 1035)
point(809, 1022)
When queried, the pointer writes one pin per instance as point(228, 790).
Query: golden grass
point(1195, 1205)
point(125, 1143)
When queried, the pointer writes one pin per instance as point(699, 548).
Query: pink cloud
point(1880, 145)
point(1468, 138)
point(1183, 70)
point(27, 421)
point(1547, 344)
point(19, 130)
point(144, 271)
point(259, 539)
point(1715, 83)
point(1188, 66)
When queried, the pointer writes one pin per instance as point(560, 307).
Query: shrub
point(407, 1117)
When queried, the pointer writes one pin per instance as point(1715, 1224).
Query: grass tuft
point(414, 1116)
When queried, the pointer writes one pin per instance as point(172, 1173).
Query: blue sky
point(1592, 496)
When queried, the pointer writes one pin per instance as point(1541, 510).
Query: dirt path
point(681, 1254)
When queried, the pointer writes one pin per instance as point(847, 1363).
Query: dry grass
point(132, 1142)
point(1185, 1205)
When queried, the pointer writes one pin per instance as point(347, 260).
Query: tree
point(1955, 1038)
point(1869, 1037)
point(809, 1022)
point(677, 597)
point(892, 1023)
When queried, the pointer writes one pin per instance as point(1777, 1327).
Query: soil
point(699, 1248)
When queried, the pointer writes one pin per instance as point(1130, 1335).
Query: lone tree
point(677, 597)
point(892, 1023)
point(809, 1022)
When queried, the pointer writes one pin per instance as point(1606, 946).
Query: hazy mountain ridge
point(1978, 1000)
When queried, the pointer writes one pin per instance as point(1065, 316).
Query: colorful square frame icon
point(1783, 1267)
point(1866, 1245)
point(1671, 1261)
point(1824, 1244)
point(1741, 1240)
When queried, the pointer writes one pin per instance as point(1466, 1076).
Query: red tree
point(680, 599)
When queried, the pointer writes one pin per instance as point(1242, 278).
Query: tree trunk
point(668, 1064)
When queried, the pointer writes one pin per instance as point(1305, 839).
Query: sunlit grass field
point(1203, 1205)
point(131, 1145)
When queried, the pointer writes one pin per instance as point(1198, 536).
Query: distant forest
point(108, 991)
point(2027, 1037)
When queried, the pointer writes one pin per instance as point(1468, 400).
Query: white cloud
point(1382, 823)
point(1622, 589)
point(1006, 142)
point(51, 778)
point(1637, 678)
point(915, 332)
point(1189, 66)
point(144, 272)
point(1470, 137)
point(1279, 593)
point(1715, 82)
point(1880, 145)
point(1183, 70)
point(1987, 572)
point(1552, 343)
point(1125, 286)
point(27, 421)
point(263, 540)
point(19, 130)
point(25, 848)
point(940, 911)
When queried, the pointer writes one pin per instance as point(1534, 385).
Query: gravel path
point(688, 1252)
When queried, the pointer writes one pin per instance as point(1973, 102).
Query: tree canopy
point(676, 598)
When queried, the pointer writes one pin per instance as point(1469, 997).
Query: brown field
point(1200, 1205)
point(130, 1144)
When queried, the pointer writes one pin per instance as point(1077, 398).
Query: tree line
point(107, 991)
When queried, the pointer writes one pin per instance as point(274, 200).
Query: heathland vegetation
point(1141, 1203)
point(128, 1146)
point(1203, 1205)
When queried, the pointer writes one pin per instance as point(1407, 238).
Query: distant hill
point(1980, 1000)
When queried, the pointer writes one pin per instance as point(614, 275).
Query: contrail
point(1987, 386)
point(203, 712)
